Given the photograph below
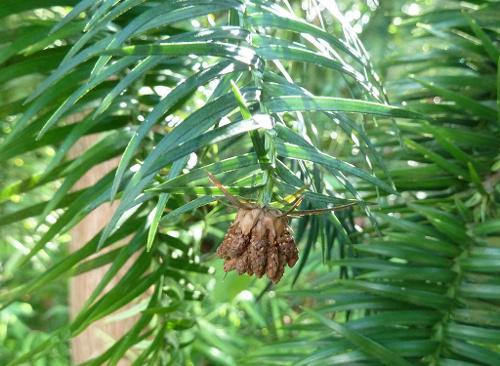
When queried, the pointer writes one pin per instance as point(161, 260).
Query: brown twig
point(290, 213)
point(321, 210)
point(226, 193)
point(295, 204)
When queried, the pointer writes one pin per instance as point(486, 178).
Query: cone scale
point(259, 243)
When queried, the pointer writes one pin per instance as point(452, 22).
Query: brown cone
point(259, 242)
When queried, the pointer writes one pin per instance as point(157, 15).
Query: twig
point(226, 193)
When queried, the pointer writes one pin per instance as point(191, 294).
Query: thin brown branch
point(226, 193)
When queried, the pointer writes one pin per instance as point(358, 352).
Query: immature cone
point(259, 242)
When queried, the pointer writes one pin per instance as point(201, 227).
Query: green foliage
point(272, 100)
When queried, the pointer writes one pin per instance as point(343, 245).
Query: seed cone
point(259, 242)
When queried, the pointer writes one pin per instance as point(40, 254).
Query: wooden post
point(101, 335)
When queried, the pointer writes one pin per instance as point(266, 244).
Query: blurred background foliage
point(413, 280)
